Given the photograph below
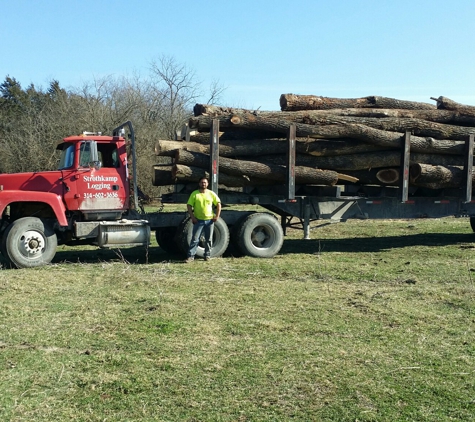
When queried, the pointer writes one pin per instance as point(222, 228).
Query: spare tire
point(220, 238)
point(260, 235)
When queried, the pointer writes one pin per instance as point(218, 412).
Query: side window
point(84, 154)
point(67, 157)
point(108, 155)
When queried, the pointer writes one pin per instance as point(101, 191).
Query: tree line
point(33, 120)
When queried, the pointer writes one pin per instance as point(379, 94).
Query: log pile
point(338, 141)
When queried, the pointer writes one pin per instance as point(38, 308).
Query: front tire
point(29, 242)
point(260, 235)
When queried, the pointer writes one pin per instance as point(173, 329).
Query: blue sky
point(258, 49)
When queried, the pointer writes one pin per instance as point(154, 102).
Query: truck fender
point(53, 200)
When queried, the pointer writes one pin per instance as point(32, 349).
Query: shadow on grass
point(154, 255)
point(375, 244)
point(137, 255)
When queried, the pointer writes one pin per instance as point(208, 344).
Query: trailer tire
point(220, 238)
point(166, 240)
point(472, 223)
point(260, 235)
point(29, 242)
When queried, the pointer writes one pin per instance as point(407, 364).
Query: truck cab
point(86, 200)
point(94, 176)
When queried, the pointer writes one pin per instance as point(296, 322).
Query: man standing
point(200, 208)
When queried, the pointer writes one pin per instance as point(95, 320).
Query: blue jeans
point(202, 226)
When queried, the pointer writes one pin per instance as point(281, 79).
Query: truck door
point(104, 186)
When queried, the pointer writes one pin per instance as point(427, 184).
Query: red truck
point(93, 199)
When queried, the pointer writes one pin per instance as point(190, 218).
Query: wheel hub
point(31, 243)
point(258, 237)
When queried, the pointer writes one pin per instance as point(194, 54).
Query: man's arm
point(218, 211)
point(190, 213)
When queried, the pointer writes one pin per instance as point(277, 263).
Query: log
point(355, 131)
point(243, 148)
point(166, 148)
point(162, 175)
point(438, 116)
point(188, 174)
point(436, 177)
point(376, 159)
point(417, 127)
point(293, 102)
point(381, 177)
point(432, 115)
point(212, 110)
point(444, 103)
point(236, 134)
point(303, 175)
point(400, 123)
point(388, 176)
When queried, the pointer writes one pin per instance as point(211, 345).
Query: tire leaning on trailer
point(29, 242)
point(220, 238)
point(260, 235)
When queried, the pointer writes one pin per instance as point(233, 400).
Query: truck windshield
point(67, 157)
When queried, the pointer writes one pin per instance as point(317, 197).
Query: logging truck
point(93, 198)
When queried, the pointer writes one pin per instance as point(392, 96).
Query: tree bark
point(303, 175)
point(376, 159)
point(419, 122)
point(356, 131)
point(376, 176)
point(188, 174)
point(437, 116)
point(236, 134)
point(444, 103)
point(162, 175)
point(243, 148)
point(436, 177)
point(292, 102)
point(212, 110)
point(417, 127)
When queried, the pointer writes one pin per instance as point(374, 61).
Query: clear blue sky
point(258, 49)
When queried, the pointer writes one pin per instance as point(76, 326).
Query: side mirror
point(96, 165)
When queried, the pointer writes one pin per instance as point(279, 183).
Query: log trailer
point(93, 199)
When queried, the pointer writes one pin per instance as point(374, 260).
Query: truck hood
point(45, 181)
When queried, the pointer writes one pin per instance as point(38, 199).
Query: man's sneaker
point(189, 259)
point(207, 258)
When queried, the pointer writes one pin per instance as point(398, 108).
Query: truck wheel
point(220, 238)
point(260, 235)
point(3, 250)
point(166, 240)
point(30, 243)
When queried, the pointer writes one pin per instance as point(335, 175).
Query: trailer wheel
point(220, 238)
point(166, 240)
point(29, 242)
point(260, 235)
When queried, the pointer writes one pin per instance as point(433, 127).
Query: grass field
point(369, 321)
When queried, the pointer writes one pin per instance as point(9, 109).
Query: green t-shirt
point(202, 204)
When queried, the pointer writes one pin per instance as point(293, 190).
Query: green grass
point(369, 321)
